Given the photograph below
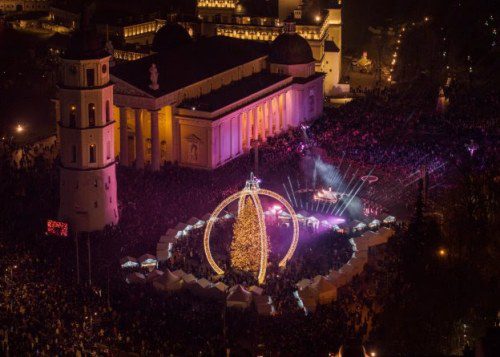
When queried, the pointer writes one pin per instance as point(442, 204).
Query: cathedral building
point(198, 104)
point(202, 103)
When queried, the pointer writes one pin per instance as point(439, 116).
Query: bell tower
point(88, 186)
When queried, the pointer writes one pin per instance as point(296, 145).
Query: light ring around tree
point(253, 191)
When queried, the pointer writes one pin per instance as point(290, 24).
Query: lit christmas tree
point(245, 247)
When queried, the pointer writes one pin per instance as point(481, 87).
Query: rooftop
point(190, 63)
point(233, 92)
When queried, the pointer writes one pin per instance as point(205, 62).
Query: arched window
point(92, 154)
point(91, 114)
point(108, 112)
point(72, 116)
point(90, 77)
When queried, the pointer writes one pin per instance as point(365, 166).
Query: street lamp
point(19, 128)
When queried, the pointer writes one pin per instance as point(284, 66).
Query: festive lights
point(245, 247)
point(252, 191)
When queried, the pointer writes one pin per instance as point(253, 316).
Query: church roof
point(170, 36)
point(191, 63)
point(233, 92)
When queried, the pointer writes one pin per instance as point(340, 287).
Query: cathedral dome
point(290, 48)
point(170, 36)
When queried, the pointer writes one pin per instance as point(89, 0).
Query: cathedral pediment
point(124, 88)
point(193, 139)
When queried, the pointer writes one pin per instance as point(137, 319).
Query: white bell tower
point(88, 200)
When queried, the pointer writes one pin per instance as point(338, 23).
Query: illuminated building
point(24, 5)
point(319, 22)
point(202, 103)
point(84, 109)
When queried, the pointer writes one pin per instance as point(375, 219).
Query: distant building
point(24, 5)
point(318, 21)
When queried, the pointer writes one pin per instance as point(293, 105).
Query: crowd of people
point(43, 312)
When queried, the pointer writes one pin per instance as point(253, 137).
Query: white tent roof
point(206, 217)
point(323, 286)
point(204, 283)
point(167, 239)
point(136, 278)
point(193, 221)
point(171, 232)
point(162, 246)
point(168, 278)
point(308, 293)
point(179, 272)
point(265, 309)
point(147, 258)
point(221, 286)
point(256, 290)
point(128, 261)
point(155, 274)
point(262, 299)
point(163, 255)
point(189, 278)
point(389, 219)
point(180, 226)
point(239, 294)
point(368, 234)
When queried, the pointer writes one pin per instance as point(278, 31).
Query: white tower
point(88, 185)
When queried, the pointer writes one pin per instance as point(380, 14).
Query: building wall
point(331, 68)
point(88, 199)
point(24, 5)
point(286, 7)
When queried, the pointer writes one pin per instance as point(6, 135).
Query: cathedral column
point(248, 130)
point(275, 116)
point(262, 122)
point(290, 112)
point(124, 158)
point(139, 140)
point(155, 141)
point(240, 133)
point(255, 124)
point(285, 113)
point(269, 105)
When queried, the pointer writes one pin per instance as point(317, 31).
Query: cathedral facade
point(198, 104)
point(201, 104)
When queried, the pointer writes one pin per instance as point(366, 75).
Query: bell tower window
point(92, 154)
point(72, 116)
point(90, 77)
point(91, 114)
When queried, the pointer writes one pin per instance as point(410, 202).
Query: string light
point(253, 191)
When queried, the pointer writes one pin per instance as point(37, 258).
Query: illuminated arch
point(253, 190)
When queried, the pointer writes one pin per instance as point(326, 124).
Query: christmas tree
point(245, 247)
